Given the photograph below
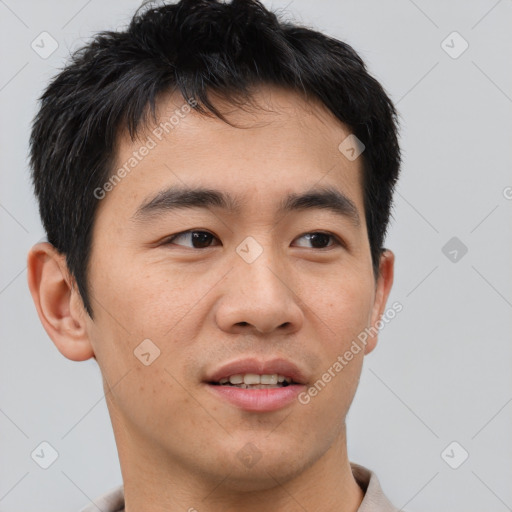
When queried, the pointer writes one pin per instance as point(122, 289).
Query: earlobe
point(56, 302)
point(382, 290)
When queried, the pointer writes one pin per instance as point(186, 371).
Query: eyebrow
point(179, 197)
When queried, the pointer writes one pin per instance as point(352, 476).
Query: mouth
point(257, 386)
point(253, 372)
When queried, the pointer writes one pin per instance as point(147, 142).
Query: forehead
point(280, 142)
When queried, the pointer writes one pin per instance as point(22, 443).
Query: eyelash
point(337, 241)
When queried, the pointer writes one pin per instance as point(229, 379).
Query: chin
point(264, 475)
point(261, 463)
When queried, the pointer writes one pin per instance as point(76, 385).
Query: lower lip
point(258, 400)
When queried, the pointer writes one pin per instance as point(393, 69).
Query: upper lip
point(253, 365)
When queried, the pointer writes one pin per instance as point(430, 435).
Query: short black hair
point(194, 47)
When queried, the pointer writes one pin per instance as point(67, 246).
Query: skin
point(178, 445)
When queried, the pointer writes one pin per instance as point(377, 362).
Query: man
point(187, 170)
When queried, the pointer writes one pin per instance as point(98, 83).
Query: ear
point(58, 302)
point(382, 289)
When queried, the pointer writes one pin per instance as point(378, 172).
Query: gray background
point(442, 369)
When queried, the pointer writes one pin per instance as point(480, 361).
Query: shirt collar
point(374, 499)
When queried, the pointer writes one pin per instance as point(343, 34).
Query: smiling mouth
point(253, 392)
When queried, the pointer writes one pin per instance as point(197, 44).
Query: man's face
point(217, 296)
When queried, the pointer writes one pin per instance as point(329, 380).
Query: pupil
point(200, 237)
point(316, 236)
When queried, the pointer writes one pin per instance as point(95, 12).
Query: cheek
point(147, 312)
point(345, 310)
point(146, 302)
point(344, 313)
point(344, 317)
point(151, 388)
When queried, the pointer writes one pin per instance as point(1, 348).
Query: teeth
point(268, 379)
point(253, 379)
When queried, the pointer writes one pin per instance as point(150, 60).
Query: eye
point(319, 238)
point(203, 239)
point(200, 239)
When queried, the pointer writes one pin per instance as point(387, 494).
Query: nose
point(259, 297)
